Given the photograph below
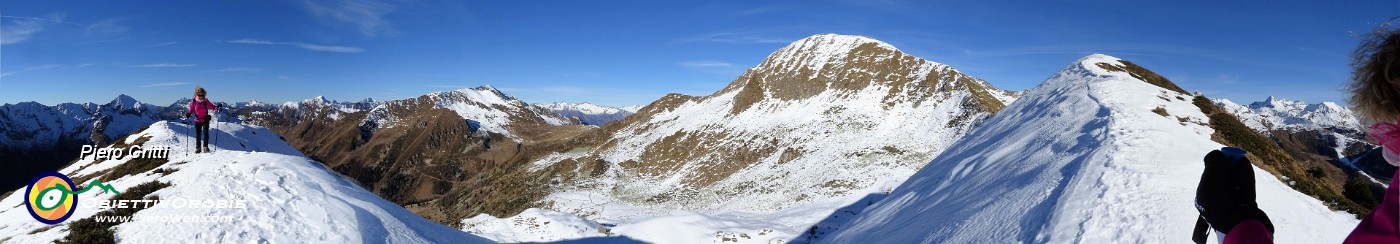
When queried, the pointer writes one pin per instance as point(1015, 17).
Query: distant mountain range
point(1325, 134)
point(37, 138)
point(588, 113)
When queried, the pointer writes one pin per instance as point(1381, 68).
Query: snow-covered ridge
point(1079, 158)
point(1281, 114)
point(290, 198)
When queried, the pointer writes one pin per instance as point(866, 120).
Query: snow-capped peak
point(817, 51)
point(1273, 102)
point(485, 94)
point(123, 102)
point(250, 103)
point(318, 100)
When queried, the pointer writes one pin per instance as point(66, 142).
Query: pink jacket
point(1380, 227)
point(200, 109)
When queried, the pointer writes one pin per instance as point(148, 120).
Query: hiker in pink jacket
point(200, 107)
point(1225, 196)
point(1375, 93)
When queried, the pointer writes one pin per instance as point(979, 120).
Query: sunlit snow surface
point(290, 199)
point(1080, 158)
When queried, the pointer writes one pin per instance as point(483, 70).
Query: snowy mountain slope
point(588, 113)
point(535, 225)
point(1080, 158)
point(289, 198)
point(819, 124)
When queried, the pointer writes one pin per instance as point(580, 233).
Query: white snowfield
point(289, 198)
point(1079, 159)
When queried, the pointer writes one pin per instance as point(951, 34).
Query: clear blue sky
point(632, 52)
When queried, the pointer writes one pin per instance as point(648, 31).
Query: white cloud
point(164, 85)
point(701, 64)
point(711, 66)
point(367, 16)
point(47, 66)
point(1227, 79)
point(449, 86)
point(106, 28)
point(251, 41)
point(239, 69)
point(165, 65)
point(735, 37)
point(312, 47)
point(22, 28)
point(163, 44)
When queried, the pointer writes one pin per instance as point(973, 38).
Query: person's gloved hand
point(1225, 196)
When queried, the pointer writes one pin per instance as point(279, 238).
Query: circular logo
point(50, 198)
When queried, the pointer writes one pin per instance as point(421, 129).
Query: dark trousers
point(201, 134)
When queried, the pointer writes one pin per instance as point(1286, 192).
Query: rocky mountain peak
point(815, 52)
point(847, 64)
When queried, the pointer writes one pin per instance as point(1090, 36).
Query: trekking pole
point(189, 129)
point(216, 128)
point(217, 109)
